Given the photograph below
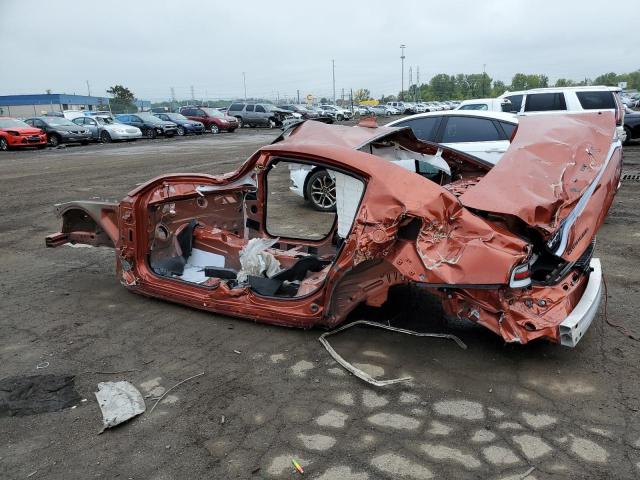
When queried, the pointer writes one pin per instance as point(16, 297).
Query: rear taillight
point(513, 134)
point(520, 276)
point(619, 110)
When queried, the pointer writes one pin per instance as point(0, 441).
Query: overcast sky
point(151, 46)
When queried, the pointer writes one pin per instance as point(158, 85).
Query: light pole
point(402, 47)
point(244, 83)
point(333, 72)
point(484, 69)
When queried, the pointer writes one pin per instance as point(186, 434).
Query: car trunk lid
point(559, 176)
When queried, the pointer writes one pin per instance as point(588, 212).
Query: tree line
point(478, 85)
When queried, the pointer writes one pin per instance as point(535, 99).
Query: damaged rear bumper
point(572, 328)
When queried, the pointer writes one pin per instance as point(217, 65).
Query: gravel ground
point(491, 411)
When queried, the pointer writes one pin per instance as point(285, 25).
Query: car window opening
point(201, 239)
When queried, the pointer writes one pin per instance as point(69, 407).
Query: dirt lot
point(492, 411)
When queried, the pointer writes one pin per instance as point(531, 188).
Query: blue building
point(36, 105)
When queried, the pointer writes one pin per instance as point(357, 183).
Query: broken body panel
point(461, 231)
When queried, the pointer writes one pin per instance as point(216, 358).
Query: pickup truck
point(258, 114)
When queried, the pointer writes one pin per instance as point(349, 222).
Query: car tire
point(628, 139)
point(271, 123)
point(240, 122)
point(214, 129)
point(320, 190)
point(4, 145)
point(53, 139)
point(151, 133)
point(105, 137)
point(339, 117)
point(181, 132)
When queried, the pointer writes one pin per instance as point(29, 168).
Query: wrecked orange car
point(507, 246)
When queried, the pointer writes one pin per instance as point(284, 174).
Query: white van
point(572, 99)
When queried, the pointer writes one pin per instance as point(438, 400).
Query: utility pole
point(173, 98)
point(88, 89)
point(484, 69)
point(244, 82)
point(402, 47)
point(342, 98)
point(418, 81)
point(193, 96)
point(333, 70)
point(351, 98)
point(298, 92)
point(410, 79)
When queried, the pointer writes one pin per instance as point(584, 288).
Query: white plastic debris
point(254, 260)
point(119, 402)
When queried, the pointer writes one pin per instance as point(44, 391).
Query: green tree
point(522, 81)
point(498, 88)
point(565, 82)
point(122, 99)
point(610, 79)
point(442, 86)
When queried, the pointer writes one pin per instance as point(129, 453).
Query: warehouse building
point(36, 105)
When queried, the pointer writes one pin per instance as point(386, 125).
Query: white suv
point(572, 99)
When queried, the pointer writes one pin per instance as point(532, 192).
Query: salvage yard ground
point(491, 411)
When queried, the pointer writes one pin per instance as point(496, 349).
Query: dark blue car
point(185, 126)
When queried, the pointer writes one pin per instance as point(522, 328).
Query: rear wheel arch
point(93, 223)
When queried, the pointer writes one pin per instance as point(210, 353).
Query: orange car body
point(21, 136)
point(507, 246)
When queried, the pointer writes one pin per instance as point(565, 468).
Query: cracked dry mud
point(492, 411)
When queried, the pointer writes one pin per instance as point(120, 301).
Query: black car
point(306, 113)
point(150, 125)
point(185, 126)
point(632, 126)
point(60, 130)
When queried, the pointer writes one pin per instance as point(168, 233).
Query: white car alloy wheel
point(214, 128)
point(321, 191)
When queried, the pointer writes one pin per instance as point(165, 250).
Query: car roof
point(502, 116)
point(479, 100)
point(588, 88)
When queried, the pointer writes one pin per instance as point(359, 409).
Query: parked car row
point(403, 108)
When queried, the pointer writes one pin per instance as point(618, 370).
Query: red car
point(213, 119)
point(14, 133)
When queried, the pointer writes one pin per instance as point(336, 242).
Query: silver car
point(106, 129)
